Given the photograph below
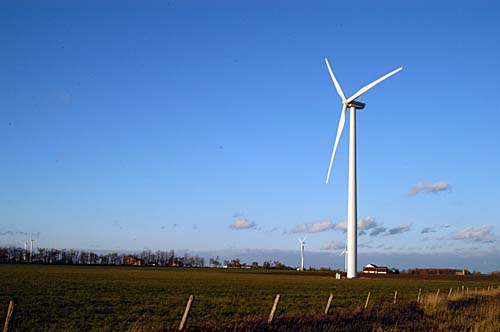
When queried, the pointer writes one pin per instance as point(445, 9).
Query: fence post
point(328, 303)
point(395, 297)
point(437, 297)
point(10, 310)
point(367, 300)
point(463, 287)
point(273, 310)
point(186, 312)
point(449, 293)
point(419, 295)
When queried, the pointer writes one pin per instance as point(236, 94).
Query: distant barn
point(374, 269)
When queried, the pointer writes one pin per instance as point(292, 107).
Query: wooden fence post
point(437, 297)
point(449, 293)
point(186, 312)
point(395, 297)
point(328, 303)
point(419, 295)
point(463, 287)
point(367, 300)
point(273, 310)
point(10, 310)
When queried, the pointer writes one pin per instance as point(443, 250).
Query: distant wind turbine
point(302, 243)
point(25, 253)
point(351, 204)
point(31, 249)
point(344, 253)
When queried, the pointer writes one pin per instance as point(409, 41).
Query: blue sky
point(161, 126)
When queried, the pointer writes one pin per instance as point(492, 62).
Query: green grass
point(79, 298)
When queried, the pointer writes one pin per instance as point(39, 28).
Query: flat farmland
point(96, 298)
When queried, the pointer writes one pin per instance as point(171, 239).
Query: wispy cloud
point(371, 245)
point(377, 230)
point(335, 245)
point(433, 229)
point(242, 224)
point(314, 227)
point(427, 230)
point(399, 229)
point(479, 234)
point(429, 187)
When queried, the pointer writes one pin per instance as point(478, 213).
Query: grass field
point(80, 298)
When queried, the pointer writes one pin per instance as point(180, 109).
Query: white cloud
point(399, 229)
point(429, 187)
point(367, 222)
point(336, 245)
point(321, 226)
point(341, 226)
point(314, 227)
point(242, 224)
point(480, 234)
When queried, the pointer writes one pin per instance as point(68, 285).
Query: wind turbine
point(302, 243)
point(344, 253)
point(31, 249)
point(25, 252)
point(353, 105)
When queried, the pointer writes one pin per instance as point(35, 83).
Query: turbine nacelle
point(356, 104)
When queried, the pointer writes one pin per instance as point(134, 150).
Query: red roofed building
point(372, 268)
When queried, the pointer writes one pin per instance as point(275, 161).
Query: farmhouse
point(134, 261)
point(372, 268)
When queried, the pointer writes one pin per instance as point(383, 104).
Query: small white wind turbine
point(25, 252)
point(351, 204)
point(344, 253)
point(302, 243)
point(31, 249)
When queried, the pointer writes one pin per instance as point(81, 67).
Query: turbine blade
point(339, 133)
point(335, 82)
point(371, 85)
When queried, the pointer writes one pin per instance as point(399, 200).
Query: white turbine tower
point(351, 202)
point(302, 243)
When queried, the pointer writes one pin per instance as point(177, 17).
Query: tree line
point(84, 257)
point(15, 255)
